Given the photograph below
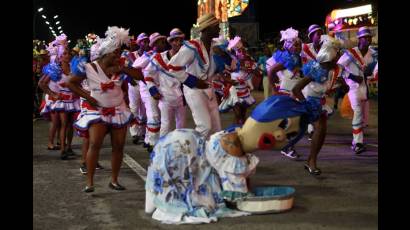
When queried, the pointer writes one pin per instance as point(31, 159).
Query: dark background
point(81, 17)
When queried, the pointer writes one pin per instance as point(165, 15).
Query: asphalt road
point(345, 196)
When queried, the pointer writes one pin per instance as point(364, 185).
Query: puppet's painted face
point(256, 135)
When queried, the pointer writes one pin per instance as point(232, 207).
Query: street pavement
point(345, 196)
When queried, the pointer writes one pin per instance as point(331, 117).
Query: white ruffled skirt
point(233, 98)
point(115, 117)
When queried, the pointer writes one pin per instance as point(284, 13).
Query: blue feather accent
point(77, 66)
point(314, 71)
point(53, 70)
point(288, 60)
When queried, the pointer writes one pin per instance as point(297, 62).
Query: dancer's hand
point(157, 96)
point(201, 84)
point(55, 96)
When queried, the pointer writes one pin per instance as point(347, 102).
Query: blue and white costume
point(112, 109)
point(184, 178)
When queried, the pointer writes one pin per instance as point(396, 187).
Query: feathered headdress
point(56, 48)
point(290, 36)
point(329, 48)
point(94, 54)
point(115, 38)
point(235, 43)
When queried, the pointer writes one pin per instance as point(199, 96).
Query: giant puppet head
point(277, 122)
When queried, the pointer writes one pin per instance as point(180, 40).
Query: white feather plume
point(289, 34)
point(115, 38)
point(235, 43)
point(329, 48)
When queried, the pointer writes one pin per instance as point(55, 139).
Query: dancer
point(285, 69)
point(137, 127)
point(107, 111)
point(64, 103)
point(150, 97)
point(195, 55)
point(171, 103)
point(239, 97)
point(317, 74)
point(359, 63)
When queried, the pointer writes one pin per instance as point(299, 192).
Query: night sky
point(80, 17)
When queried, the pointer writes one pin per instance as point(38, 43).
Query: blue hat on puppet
point(277, 122)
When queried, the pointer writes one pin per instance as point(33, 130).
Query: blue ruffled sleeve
point(53, 70)
point(314, 71)
point(77, 66)
point(288, 60)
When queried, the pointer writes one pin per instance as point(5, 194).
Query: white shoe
point(290, 153)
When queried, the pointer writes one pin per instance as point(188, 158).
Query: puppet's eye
point(284, 124)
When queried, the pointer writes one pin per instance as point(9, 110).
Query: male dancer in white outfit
point(359, 63)
point(171, 104)
point(137, 128)
point(195, 57)
point(149, 96)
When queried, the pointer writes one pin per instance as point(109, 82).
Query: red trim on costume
point(153, 130)
point(241, 94)
point(65, 97)
point(306, 49)
point(356, 55)
point(162, 63)
point(149, 79)
point(335, 74)
point(132, 56)
point(217, 85)
point(87, 106)
point(357, 131)
point(282, 93)
point(226, 90)
point(106, 86)
point(122, 61)
point(63, 84)
point(198, 47)
point(108, 111)
point(304, 60)
point(323, 100)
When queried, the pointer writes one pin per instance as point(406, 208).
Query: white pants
point(153, 119)
point(169, 112)
point(137, 128)
point(360, 107)
point(205, 112)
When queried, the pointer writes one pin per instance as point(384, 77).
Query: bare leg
point(243, 115)
point(53, 129)
point(70, 131)
point(97, 133)
point(318, 139)
point(84, 149)
point(237, 111)
point(117, 142)
point(63, 130)
point(58, 129)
